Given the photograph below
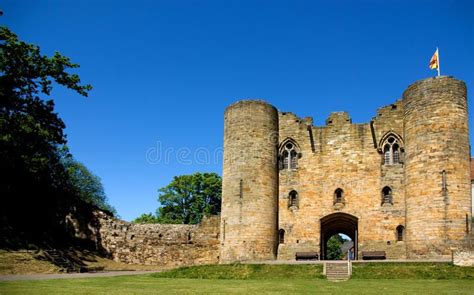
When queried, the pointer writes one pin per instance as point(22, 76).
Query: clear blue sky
point(164, 71)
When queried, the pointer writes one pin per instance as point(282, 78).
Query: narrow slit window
point(400, 233)
point(281, 236)
point(387, 195)
point(293, 199)
point(338, 196)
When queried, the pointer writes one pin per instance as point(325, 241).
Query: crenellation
point(399, 183)
point(382, 177)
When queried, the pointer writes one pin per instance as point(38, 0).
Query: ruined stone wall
point(159, 244)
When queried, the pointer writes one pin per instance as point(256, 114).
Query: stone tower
point(249, 217)
point(437, 181)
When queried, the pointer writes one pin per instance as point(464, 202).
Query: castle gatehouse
point(399, 184)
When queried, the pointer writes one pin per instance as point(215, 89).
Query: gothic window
point(396, 154)
point(400, 233)
point(281, 236)
point(386, 154)
point(387, 195)
point(338, 196)
point(392, 150)
point(285, 157)
point(289, 155)
point(293, 199)
point(293, 159)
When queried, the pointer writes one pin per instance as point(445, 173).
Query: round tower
point(250, 182)
point(437, 166)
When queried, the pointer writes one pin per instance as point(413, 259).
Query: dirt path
point(73, 275)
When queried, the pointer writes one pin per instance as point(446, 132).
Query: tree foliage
point(87, 186)
point(146, 218)
point(31, 132)
point(334, 248)
point(187, 199)
point(34, 182)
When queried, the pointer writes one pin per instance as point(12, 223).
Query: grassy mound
point(245, 272)
point(421, 270)
point(23, 262)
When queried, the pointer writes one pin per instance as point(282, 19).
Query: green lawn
point(147, 284)
point(246, 272)
point(256, 279)
point(420, 270)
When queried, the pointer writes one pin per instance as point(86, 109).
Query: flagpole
point(439, 70)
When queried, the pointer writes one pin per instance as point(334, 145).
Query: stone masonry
point(159, 244)
point(399, 184)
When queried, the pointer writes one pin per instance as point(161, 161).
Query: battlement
point(338, 119)
point(402, 179)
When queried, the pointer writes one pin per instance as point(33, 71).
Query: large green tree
point(34, 181)
point(187, 199)
point(86, 185)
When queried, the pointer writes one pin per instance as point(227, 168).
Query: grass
point(34, 262)
point(147, 284)
point(428, 271)
point(94, 262)
point(24, 262)
point(245, 272)
point(371, 278)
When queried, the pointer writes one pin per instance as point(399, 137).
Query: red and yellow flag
point(434, 61)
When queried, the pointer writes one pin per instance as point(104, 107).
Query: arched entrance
point(337, 223)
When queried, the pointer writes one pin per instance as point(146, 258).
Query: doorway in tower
point(338, 236)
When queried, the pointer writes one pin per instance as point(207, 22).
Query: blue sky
point(164, 71)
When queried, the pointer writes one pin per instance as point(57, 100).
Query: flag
point(434, 61)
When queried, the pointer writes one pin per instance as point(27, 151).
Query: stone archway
point(338, 223)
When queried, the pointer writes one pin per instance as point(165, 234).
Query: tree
point(146, 218)
point(34, 181)
point(334, 247)
point(190, 197)
point(88, 187)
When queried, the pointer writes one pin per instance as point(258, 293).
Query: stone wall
point(250, 182)
point(159, 244)
point(347, 156)
point(429, 185)
point(437, 171)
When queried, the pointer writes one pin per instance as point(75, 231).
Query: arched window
point(387, 195)
point(392, 150)
point(396, 154)
point(289, 155)
point(281, 236)
point(293, 199)
point(400, 233)
point(285, 158)
point(338, 196)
